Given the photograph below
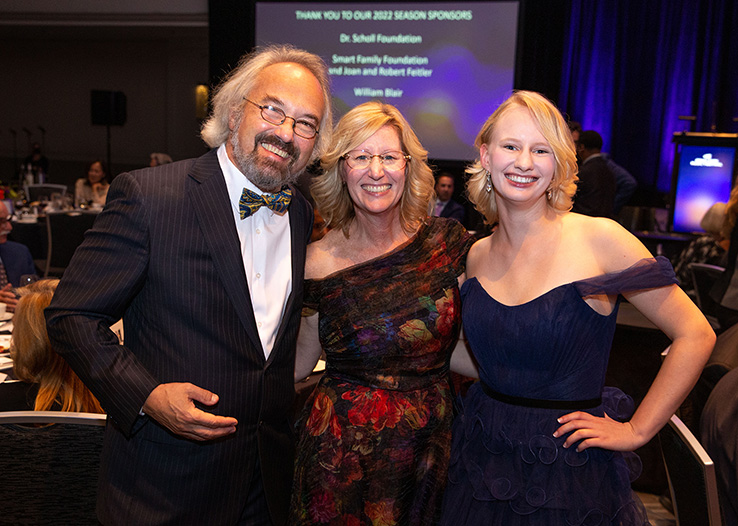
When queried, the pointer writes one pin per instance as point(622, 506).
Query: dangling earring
point(489, 182)
point(549, 193)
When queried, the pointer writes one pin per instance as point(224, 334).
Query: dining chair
point(703, 278)
point(49, 466)
point(34, 192)
point(691, 475)
point(65, 232)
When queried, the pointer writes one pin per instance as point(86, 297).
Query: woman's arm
point(671, 310)
point(462, 359)
point(308, 347)
point(692, 342)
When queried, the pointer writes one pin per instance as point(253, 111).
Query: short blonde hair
point(34, 360)
point(331, 195)
point(556, 132)
point(229, 95)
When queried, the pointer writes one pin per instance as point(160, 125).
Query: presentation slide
point(705, 178)
point(446, 66)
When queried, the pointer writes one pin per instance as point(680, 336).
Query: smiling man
point(204, 261)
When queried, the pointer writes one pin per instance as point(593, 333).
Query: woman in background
point(47, 383)
point(725, 290)
point(539, 441)
point(382, 301)
point(92, 190)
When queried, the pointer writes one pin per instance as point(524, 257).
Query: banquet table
point(67, 229)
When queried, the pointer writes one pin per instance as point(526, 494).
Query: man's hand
point(173, 406)
point(7, 296)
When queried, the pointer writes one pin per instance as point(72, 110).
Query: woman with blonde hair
point(539, 439)
point(725, 289)
point(381, 299)
point(37, 364)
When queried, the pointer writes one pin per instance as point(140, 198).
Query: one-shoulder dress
point(375, 435)
point(539, 361)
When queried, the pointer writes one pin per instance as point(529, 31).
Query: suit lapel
point(210, 201)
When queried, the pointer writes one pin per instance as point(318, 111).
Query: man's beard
point(267, 175)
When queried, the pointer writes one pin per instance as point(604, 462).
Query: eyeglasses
point(302, 128)
point(6, 219)
point(360, 159)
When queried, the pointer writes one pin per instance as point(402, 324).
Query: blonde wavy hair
point(229, 96)
point(34, 360)
point(554, 129)
point(331, 195)
point(731, 214)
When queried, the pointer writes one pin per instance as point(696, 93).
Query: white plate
point(6, 316)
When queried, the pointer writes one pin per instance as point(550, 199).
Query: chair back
point(66, 231)
point(691, 475)
point(50, 465)
point(34, 192)
point(704, 277)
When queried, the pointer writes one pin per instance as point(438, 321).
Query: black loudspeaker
point(108, 107)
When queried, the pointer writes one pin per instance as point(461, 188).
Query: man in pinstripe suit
point(210, 291)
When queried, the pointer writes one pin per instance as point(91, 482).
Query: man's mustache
point(288, 147)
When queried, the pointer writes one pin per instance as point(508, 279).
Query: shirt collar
point(235, 181)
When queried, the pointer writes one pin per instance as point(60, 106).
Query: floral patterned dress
point(374, 437)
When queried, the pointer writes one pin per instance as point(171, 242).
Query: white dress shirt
point(265, 249)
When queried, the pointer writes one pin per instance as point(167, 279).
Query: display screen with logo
point(704, 176)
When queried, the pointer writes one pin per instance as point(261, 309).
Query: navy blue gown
point(506, 467)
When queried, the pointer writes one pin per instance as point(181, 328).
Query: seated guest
point(15, 261)
point(93, 189)
point(596, 187)
point(719, 436)
point(157, 159)
point(710, 248)
point(445, 206)
point(47, 383)
point(725, 290)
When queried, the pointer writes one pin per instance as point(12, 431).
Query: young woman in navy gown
point(540, 440)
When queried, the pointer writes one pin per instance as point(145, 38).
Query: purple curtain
point(631, 68)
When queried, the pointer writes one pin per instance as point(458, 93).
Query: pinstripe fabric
point(165, 255)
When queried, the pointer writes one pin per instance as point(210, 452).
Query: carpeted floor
point(657, 514)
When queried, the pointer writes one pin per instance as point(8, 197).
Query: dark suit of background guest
point(445, 206)
point(596, 186)
point(453, 210)
point(170, 254)
point(17, 260)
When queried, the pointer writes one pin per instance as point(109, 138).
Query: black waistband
point(542, 404)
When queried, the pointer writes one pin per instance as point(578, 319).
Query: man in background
point(625, 183)
point(15, 261)
point(204, 261)
point(445, 205)
point(596, 187)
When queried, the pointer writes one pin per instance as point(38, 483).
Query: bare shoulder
point(320, 259)
point(614, 247)
point(477, 254)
